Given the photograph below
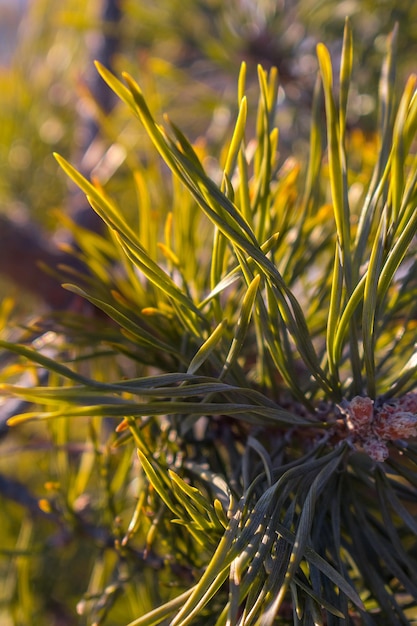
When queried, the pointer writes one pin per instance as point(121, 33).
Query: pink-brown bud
point(376, 449)
point(398, 425)
point(361, 411)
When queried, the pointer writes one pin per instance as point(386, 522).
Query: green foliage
point(256, 355)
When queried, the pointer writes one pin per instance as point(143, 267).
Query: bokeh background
point(186, 56)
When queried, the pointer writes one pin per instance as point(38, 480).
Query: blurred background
point(186, 56)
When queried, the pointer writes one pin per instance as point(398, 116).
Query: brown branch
point(23, 249)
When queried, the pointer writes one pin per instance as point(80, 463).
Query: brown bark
point(24, 249)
